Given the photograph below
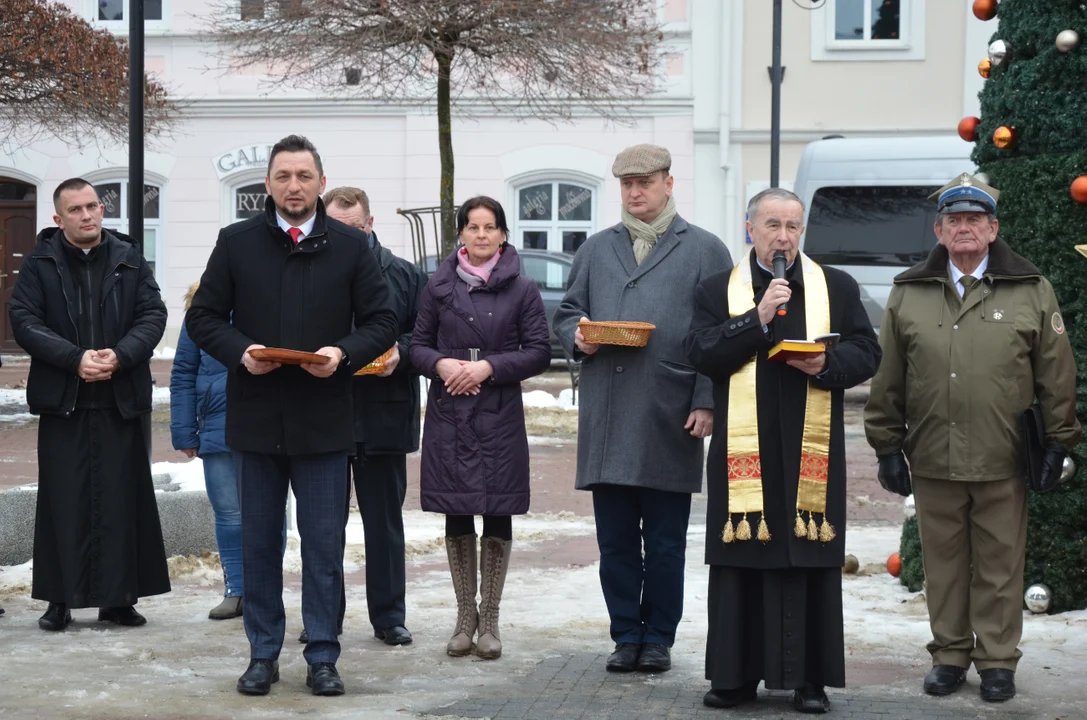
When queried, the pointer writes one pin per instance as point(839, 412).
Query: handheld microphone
point(779, 272)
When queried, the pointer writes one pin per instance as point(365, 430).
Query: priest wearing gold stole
point(775, 523)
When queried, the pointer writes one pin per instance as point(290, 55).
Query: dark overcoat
point(387, 408)
point(97, 537)
point(259, 287)
point(718, 346)
point(475, 448)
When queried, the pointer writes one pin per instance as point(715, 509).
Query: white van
point(867, 204)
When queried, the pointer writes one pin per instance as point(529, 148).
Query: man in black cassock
point(87, 310)
point(775, 525)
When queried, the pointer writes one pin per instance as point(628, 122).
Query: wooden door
point(17, 208)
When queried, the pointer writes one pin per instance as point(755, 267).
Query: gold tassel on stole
point(826, 530)
point(764, 531)
point(813, 532)
point(728, 535)
point(800, 530)
point(743, 530)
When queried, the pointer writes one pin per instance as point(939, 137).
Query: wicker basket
point(631, 334)
point(378, 365)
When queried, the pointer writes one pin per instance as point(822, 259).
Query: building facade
point(845, 74)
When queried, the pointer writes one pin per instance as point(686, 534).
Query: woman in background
point(480, 331)
point(197, 428)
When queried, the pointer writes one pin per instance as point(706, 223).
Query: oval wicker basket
point(631, 334)
point(378, 365)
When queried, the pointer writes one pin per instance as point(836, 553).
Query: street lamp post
point(775, 100)
point(135, 122)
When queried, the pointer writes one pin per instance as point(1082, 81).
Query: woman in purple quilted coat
point(481, 330)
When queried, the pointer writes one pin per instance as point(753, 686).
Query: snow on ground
point(184, 662)
point(166, 353)
point(13, 400)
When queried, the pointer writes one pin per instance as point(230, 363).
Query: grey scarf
point(645, 235)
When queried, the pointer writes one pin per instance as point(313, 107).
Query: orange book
point(789, 349)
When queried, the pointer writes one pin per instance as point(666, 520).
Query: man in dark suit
point(386, 430)
point(292, 278)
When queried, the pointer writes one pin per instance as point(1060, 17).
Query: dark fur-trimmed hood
point(1003, 263)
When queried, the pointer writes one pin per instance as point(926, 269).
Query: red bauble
point(985, 9)
point(894, 565)
point(968, 128)
point(1079, 189)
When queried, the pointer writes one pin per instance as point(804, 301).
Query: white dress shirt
point(306, 227)
point(957, 275)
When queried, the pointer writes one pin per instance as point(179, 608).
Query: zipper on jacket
point(90, 303)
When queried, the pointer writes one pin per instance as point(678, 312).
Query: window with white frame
point(248, 200)
point(556, 216)
point(114, 197)
point(114, 13)
point(868, 30)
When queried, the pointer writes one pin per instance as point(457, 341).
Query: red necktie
point(295, 233)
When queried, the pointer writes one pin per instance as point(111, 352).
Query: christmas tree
point(1031, 142)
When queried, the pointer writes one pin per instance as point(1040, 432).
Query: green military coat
point(957, 374)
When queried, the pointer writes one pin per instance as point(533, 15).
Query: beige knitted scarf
point(644, 234)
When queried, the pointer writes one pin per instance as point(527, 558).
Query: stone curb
point(188, 525)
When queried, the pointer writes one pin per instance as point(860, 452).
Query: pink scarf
point(476, 277)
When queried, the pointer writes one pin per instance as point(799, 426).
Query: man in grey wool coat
point(644, 411)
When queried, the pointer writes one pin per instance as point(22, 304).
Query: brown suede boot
point(494, 560)
point(462, 567)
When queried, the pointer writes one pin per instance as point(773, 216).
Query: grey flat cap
point(641, 160)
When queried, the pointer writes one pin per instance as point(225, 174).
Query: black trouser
point(381, 482)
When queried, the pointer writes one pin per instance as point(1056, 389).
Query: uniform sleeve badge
point(1058, 323)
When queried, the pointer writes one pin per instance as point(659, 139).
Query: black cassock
point(97, 537)
point(775, 608)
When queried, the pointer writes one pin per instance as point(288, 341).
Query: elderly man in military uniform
point(970, 338)
point(644, 410)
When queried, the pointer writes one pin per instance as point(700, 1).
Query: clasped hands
point(463, 377)
point(98, 365)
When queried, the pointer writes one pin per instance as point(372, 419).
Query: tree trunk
point(445, 147)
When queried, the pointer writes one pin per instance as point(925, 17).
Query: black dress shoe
point(258, 679)
point(323, 679)
point(748, 692)
point(655, 658)
point(126, 616)
point(625, 658)
point(303, 637)
point(997, 684)
point(944, 679)
point(396, 635)
point(56, 617)
point(811, 699)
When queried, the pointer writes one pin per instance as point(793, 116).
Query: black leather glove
point(1052, 466)
point(894, 474)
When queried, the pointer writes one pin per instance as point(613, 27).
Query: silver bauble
point(1068, 469)
point(909, 508)
point(1066, 40)
point(1037, 597)
point(999, 52)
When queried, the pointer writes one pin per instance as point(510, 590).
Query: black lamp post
point(775, 100)
point(135, 121)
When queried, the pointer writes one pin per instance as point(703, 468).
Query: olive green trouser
point(975, 616)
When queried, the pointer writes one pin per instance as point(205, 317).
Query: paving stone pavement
point(578, 688)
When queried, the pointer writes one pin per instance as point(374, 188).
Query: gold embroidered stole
point(744, 464)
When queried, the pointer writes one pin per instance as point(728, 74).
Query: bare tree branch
point(525, 58)
point(60, 77)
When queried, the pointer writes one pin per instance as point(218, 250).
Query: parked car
point(550, 270)
point(867, 204)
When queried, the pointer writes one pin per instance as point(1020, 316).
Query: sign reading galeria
point(250, 157)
